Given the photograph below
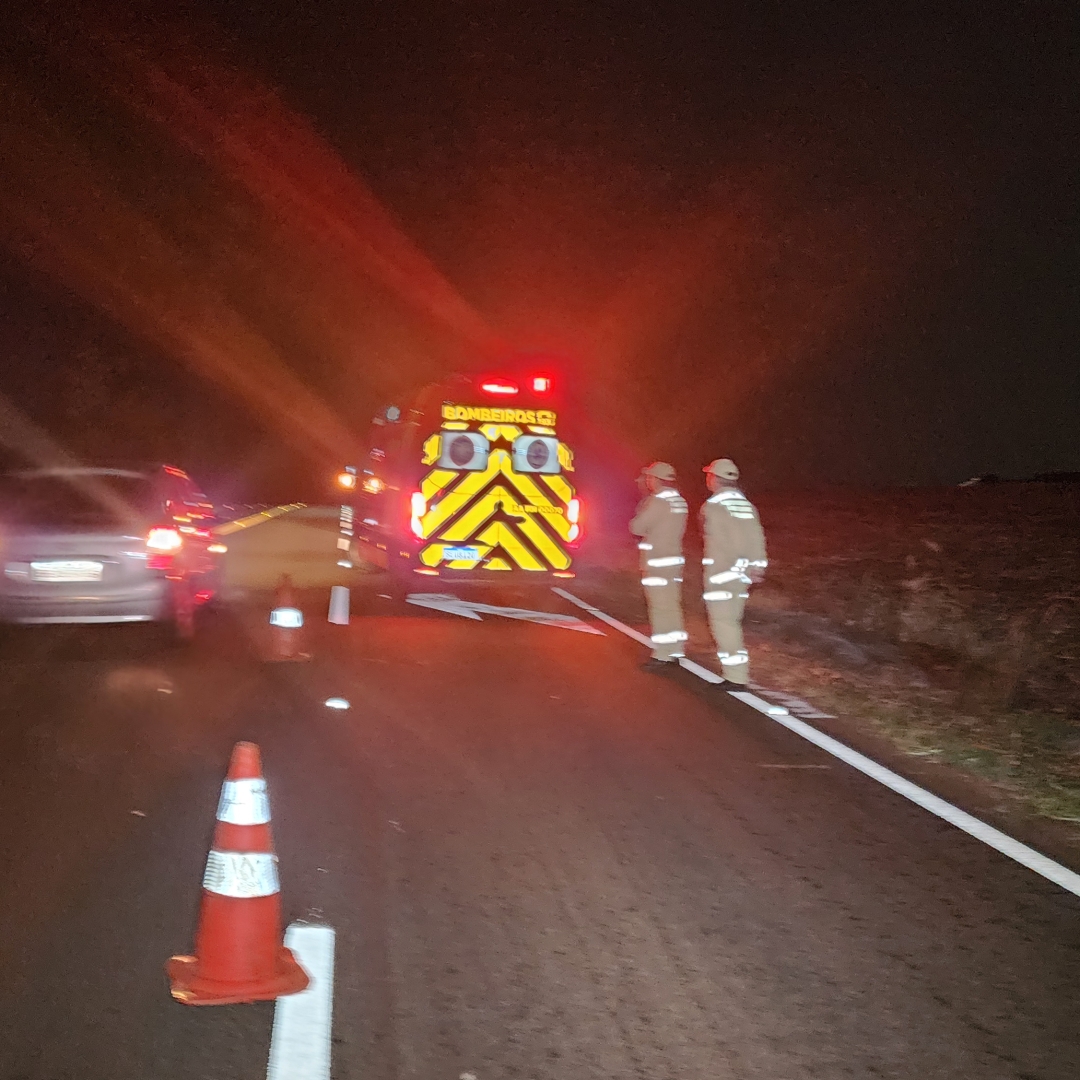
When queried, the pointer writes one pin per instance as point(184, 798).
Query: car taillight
point(418, 508)
point(164, 541)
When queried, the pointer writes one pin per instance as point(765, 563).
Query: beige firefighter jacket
point(734, 539)
point(660, 522)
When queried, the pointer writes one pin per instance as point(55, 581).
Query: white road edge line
point(629, 631)
point(603, 616)
point(999, 841)
point(1060, 875)
point(699, 671)
point(300, 1042)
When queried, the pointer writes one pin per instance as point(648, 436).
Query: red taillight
point(498, 386)
point(541, 384)
point(417, 508)
point(164, 541)
point(573, 510)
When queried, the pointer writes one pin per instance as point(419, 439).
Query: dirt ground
point(948, 620)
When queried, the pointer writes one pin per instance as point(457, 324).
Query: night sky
point(840, 249)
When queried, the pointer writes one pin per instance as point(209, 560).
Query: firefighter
point(734, 558)
point(660, 522)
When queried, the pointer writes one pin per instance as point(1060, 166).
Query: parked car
point(97, 545)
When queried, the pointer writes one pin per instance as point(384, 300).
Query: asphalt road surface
point(538, 860)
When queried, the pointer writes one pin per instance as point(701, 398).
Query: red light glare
point(498, 387)
point(418, 508)
point(164, 540)
point(573, 510)
point(541, 385)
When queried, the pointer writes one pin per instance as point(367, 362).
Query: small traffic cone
point(286, 624)
point(239, 956)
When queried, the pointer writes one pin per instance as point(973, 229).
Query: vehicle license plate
point(451, 554)
point(66, 570)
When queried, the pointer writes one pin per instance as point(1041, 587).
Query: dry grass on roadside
point(1028, 754)
point(948, 620)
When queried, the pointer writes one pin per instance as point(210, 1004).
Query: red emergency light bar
point(498, 386)
point(540, 384)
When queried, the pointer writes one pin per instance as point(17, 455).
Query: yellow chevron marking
point(544, 544)
point(495, 432)
point(432, 449)
point(433, 483)
point(559, 525)
point(537, 430)
point(454, 425)
point(497, 564)
point(499, 534)
point(527, 487)
point(533, 495)
point(532, 502)
point(561, 488)
point(481, 510)
point(566, 457)
point(456, 500)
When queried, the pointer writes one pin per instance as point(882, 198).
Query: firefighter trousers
point(725, 610)
point(663, 595)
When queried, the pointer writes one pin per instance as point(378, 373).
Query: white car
point(96, 545)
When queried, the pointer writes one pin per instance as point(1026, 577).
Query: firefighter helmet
point(661, 470)
point(723, 467)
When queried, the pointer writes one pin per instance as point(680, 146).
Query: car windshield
point(74, 500)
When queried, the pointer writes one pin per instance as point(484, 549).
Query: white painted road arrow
point(467, 609)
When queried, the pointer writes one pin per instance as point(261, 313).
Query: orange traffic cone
point(238, 951)
point(286, 624)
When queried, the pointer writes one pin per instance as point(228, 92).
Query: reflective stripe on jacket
point(734, 539)
point(660, 522)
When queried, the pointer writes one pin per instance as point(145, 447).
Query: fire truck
point(472, 482)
